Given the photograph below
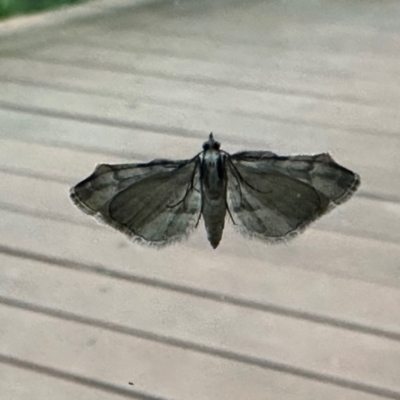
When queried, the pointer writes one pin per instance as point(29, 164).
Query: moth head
point(211, 144)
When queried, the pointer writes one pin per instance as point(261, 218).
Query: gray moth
point(266, 196)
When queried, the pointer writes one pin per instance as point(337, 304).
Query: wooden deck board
point(256, 333)
point(378, 177)
point(327, 113)
point(324, 66)
point(83, 312)
point(293, 81)
point(19, 383)
point(107, 356)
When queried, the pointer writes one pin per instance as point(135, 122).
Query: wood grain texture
point(84, 312)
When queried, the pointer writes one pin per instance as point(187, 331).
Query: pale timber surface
point(83, 312)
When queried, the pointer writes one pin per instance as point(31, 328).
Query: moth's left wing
point(157, 203)
point(274, 198)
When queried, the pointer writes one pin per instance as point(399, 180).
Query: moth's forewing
point(269, 205)
point(93, 193)
point(319, 171)
point(158, 202)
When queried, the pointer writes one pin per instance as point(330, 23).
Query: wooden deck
point(83, 312)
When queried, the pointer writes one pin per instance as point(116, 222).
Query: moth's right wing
point(319, 171)
point(274, 198)
point(158, 203)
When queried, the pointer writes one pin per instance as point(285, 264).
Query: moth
point(266, 196)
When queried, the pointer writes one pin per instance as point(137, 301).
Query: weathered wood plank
point(330, 113)
point(156, 89)
point(115, 358)
point(292, 83)
point(301, 79)
point(25, 382)
point(331, 40)
point(364, 67)
point(350, 355)
point(343, 256)
point(357, 153)
point(281, 21)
